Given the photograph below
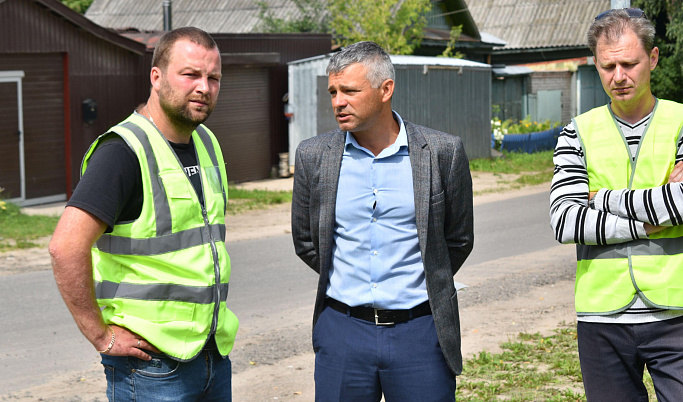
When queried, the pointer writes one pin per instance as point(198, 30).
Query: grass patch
point(532, 169)
point(19, 231)
point(515, 162)
point(240, 200)
point(531, 368)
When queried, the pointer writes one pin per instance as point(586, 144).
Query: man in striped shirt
point(616, 193)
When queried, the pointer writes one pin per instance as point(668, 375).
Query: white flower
point(498, 134)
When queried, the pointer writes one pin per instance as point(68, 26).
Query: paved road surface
point(271, 291)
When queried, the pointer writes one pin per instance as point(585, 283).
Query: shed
point(451, 95)
point(63, 80)
point(249, 119)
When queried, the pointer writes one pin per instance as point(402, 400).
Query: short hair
point(612, 25)
point(162, 51)
point(371, 55)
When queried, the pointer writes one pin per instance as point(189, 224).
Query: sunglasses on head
point(632, 13)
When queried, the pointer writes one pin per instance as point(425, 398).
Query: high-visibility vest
point(165, 275)
point(609, 277)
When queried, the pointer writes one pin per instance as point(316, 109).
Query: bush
point(527, 126)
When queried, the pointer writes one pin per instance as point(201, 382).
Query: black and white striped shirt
point(618, 215)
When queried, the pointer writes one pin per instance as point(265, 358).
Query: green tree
point(312, 18)
point(450, 47)
point(396, 25)
point(80, 6)
point(667, 16)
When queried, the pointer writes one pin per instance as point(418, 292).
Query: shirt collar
point(401, 140)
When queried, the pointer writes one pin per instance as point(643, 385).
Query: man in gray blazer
point(382, 210)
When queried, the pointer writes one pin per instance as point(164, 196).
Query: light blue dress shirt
point(376, 258)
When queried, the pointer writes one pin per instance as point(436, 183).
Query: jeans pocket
point(158, 367)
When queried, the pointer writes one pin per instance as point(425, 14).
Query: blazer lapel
point(329, 180)
point(420, 161)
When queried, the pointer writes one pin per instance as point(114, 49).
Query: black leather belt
point(379, 316)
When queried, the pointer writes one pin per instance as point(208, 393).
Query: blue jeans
point(205, 378)
point(358, 361)
point(613, 357)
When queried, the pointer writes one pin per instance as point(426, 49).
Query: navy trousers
point(613, 357)
point(356, 360)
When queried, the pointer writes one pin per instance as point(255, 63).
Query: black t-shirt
point(111, 188)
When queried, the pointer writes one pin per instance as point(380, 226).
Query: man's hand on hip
point(128, 343)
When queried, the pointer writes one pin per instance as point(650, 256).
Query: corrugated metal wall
point(453, 99)
point(303, 99)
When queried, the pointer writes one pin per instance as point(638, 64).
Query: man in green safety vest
point(617, 194)
point(139, 254)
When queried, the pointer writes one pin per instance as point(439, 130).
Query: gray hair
point(612, 24)
point(371, 55)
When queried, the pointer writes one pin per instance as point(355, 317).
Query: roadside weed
point(531, 368)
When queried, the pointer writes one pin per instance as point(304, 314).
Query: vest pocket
point(176, 184)
point(213, 179)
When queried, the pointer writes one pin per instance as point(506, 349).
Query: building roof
point(214, 16)
point(97, 30)
point(409, 60)
point(242, 16)
point(530, 24)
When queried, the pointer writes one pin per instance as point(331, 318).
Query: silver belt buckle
point(380, 323)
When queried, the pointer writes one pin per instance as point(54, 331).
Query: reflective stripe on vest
point(165, 275)
point(159, 291)
point(609, 276)
point(162, 244)
point(637, 247)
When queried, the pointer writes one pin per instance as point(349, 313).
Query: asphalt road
point(271, 291)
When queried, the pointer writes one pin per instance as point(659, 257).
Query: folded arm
point(659, 206)
point(571, 219)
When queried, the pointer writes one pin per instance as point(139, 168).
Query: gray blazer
point(443, 207)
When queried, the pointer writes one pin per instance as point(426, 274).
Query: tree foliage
point(667, 16)
point(450, 47)
point(80, 6)
point(312, 18)
point(396, 25)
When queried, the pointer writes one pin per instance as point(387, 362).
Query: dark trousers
point(613, 357)
point(356, 360)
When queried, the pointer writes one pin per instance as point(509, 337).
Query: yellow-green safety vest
point(609, 277)
point(165, 275)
